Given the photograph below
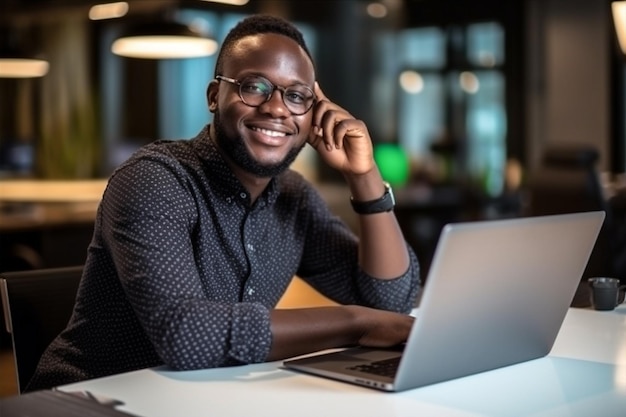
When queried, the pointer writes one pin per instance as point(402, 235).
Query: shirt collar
point(222, 178)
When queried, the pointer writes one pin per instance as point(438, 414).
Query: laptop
point(496, 295)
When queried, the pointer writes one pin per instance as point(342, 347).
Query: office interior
point(479, 110)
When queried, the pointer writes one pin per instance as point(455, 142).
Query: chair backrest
point(568, 181)
point(37, 305)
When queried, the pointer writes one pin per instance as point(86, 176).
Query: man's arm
point(382, 247)
point(344, 143)
point(300, 331)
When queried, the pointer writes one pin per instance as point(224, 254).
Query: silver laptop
point(496, 295)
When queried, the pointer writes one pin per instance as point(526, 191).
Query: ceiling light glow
point(108, 10)
point(23, 68)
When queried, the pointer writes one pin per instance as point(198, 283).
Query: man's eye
point(255, 88)
point(295, 97)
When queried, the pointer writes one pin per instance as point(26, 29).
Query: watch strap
point(379, 205)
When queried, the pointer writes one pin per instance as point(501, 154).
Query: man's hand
point(299, 331)
point(342, 141)
point(383, 328)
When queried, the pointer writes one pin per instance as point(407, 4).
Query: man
point(196, 241)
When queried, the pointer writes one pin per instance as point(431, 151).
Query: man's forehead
point(269, 49)
point(264, 41)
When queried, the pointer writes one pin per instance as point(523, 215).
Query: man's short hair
point(254, 25)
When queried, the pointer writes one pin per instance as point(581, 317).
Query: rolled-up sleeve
point(330, 264)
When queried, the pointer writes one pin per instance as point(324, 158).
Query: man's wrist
point(382, 204)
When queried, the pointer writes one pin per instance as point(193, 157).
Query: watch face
point(390, 191)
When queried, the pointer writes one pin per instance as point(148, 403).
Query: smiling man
point(196, 240)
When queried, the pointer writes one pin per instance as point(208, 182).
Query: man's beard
point(235, 149)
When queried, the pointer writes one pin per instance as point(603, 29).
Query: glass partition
point(451, 93)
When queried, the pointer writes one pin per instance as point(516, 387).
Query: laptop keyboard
point(386, 367)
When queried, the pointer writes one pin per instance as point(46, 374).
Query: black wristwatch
point(379, 205)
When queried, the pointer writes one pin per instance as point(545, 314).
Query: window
point(450, 89)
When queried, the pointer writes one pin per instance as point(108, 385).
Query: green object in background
point(393, 163)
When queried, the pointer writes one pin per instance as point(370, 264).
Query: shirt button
point(250, 247)
point(250, 291)
point(243, 195)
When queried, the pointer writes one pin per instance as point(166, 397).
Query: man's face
point(262, 140)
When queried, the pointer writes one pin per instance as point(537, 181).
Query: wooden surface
point(51, 191)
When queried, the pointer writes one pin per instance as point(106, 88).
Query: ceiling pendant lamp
point(16, 66)
point(165, 39)
point(17, 63)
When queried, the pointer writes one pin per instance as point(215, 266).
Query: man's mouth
point(267, 132)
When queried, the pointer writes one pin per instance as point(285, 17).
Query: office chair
point(37, 305)
point(566, 182)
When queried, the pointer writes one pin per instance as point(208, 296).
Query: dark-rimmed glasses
point(255, 90)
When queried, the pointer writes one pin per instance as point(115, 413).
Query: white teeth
point(272, 133)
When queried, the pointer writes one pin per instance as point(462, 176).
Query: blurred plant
point(69, 141)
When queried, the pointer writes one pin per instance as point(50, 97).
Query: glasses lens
point(298, 98)
point(255, 90)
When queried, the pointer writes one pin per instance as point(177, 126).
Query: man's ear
point(211, 95)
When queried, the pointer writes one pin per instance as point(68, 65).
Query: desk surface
point(36, 204)
point(584, 375)
point(63, 191)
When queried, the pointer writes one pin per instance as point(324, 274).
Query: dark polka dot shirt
point(183, 270)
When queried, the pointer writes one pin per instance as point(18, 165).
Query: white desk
point(584, 376)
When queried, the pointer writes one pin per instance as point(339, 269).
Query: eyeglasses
point(255, 90)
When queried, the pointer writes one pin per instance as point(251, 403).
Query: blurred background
point(479, 109)
point(482, 109)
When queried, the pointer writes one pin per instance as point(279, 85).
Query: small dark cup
point(605, 292)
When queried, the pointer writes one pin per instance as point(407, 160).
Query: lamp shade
point(16, 57)
point(163, 40)
point(16, 64)
point(619, 18)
